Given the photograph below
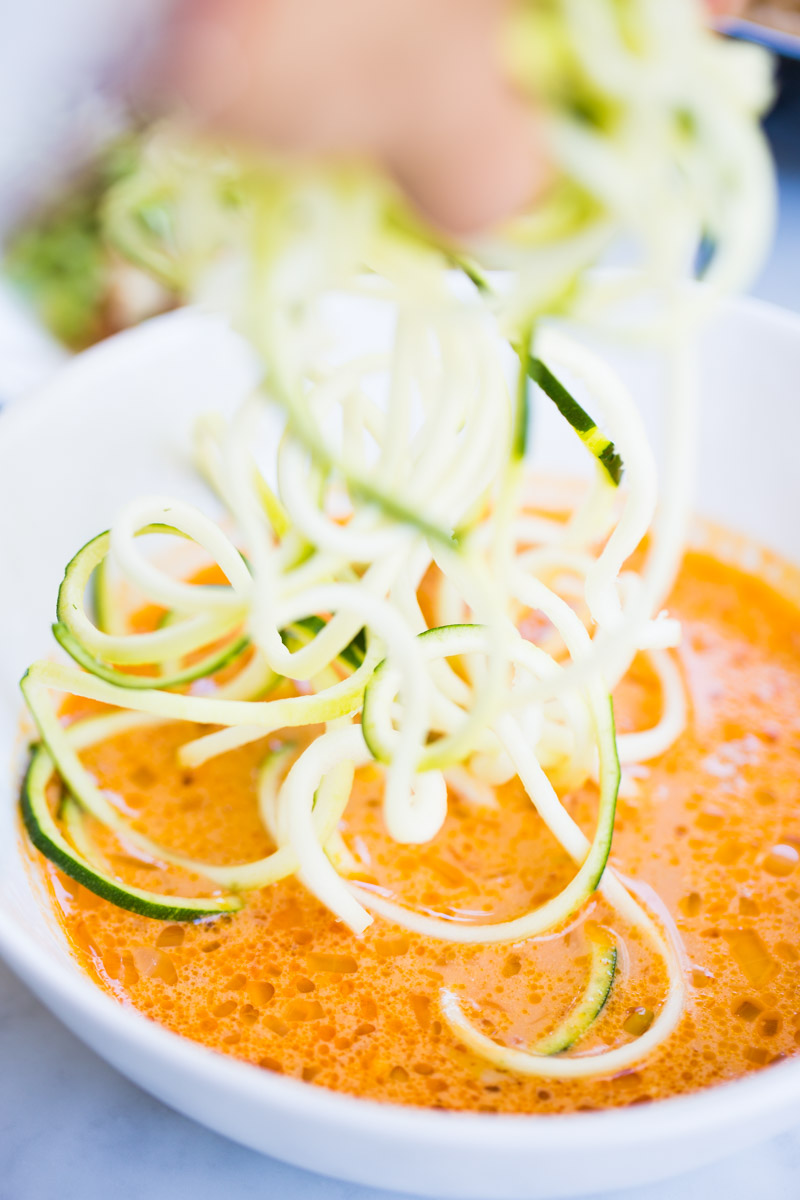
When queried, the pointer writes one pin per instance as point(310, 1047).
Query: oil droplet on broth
point(691, 905)
point(260, 992)
point(171, 935)
point(781, 860)
point(391, 947)
point(303, 1010)
point(154, 963)
point(751, 955)
point(747, 1010)
point(335, 964)
point(638, 1021)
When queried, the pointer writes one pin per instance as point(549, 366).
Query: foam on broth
point(713, 826)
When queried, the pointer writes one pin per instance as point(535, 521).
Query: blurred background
point(76, 77)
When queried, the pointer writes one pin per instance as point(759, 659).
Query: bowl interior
point(121, 423)
point(116, 423)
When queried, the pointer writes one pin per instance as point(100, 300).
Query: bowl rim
point(767, 1092)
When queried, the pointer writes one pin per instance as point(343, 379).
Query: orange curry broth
point(713, 827)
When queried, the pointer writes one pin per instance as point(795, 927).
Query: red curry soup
point(707, 832)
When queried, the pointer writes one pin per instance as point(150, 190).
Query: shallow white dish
point(114, 424)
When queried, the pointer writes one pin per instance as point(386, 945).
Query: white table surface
point(70, 1126)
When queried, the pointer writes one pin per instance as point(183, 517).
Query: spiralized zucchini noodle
point(411, 464)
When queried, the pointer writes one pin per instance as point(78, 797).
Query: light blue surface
point(72, 1127)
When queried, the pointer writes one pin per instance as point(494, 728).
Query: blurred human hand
point(418, 85)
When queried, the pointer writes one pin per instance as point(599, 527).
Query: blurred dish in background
point(64, 266)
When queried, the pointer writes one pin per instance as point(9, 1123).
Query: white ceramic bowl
point(114, 423)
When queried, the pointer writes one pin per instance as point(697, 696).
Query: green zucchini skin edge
point(523, 413)
point(602, 447)
point(366, 489)
point(610, 774)
point(69, 602)
point(46, 837)
point(375, 747)
point(205, 667)
point(352, 655)
point(600, 983)
point(75, 563)
point(101, 601)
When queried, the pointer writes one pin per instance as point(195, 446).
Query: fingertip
point(475, 183)
point(208, 65)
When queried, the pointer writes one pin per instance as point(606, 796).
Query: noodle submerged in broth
point(711, 825)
